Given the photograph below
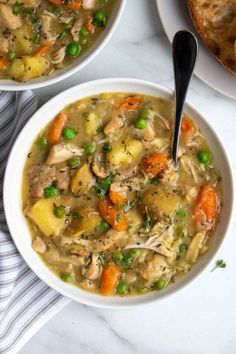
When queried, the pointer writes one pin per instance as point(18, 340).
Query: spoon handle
point(184, 52)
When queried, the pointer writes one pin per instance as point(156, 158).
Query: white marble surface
point(202, 318)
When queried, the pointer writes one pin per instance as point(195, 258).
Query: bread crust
point(215, 21)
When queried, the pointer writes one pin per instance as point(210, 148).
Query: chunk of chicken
point(99, 171)
point(39, 245)
point(8, 19)
point(62, 152)
point(148, 132)
point(88, 4)
point(40, 176)
point(63, 179)
point(169, 176)
point(47, 20)
point(110, 240)
point(154, 269)
point(76, 28)
point(94, 268)
point(114, 124)
point(4, 45)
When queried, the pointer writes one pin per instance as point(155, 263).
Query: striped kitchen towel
point(26, 303)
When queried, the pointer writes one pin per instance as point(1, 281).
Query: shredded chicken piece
point(190, 167)
point(159, 240)
point(169, 176)
point(94, 268)
point(99, 171)
point(64, 19)
point(4, 45)
point(47, 19)
point(58, 56)
point(154, 269)
point(89, 4)
point(163, 120)
point(148, 132)
point(62, 152)
point(39, 245)
point(115, 123)
point(76, 28)
point(109, 241)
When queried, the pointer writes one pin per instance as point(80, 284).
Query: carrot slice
point(187, 128)
point(56, 127)
point(153, 164)
point(74, 5)
point(3, 63)
point(206, 208)
point(116, 218)
point(88, 24)
point(129, 103)
point(43, 49)
point(117, 198)
point(109, 279)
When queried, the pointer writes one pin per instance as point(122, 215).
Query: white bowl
point(13, 181)
point(83, 60)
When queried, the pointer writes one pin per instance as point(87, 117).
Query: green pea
point(50, 192)
point(183, 247)
point(121, 288)
point(73, 162)
point(99, 15)
point(83, 32)
point(181, 231)
point(104, 226)
point(59, 211)
point(144, 113)
point(69, 133)
point(73, 49)
point(99, 18)
point(140, 123)
point(204, 156)
point(118, 256)
point(107, 147)
point(181, 213)
point(90, 148)
point(160, 284)
point(43, 141)
point(16, 9)
point(11, 55)
point(66, 277)
point(83, 40)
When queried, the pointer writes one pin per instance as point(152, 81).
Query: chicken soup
point(38, 37)
point(106, 209)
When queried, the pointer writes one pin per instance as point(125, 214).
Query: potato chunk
point(88, 219)
point(42, 215)
point(160, 202)
point(27, 68)
point(126, 154)
point(82, 180)
point(23, 45)
point(91, 124)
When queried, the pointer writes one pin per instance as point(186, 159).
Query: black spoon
point(184, 53)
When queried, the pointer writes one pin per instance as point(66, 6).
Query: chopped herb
point(153, 181)
point(219, 264)
point(138, 194)
point(16, 9)
point(104, 226)
point(100, 130)
point(102, 2)
point(76, 216)
point(99, 191)
point(181, 213)
point(183, 247)
point(118, 217)
point(129, 205)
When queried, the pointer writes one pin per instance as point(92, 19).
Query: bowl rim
point(10, 168)
point(11, 85)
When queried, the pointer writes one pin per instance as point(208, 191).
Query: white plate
point(175, 16)
point(13, 181)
